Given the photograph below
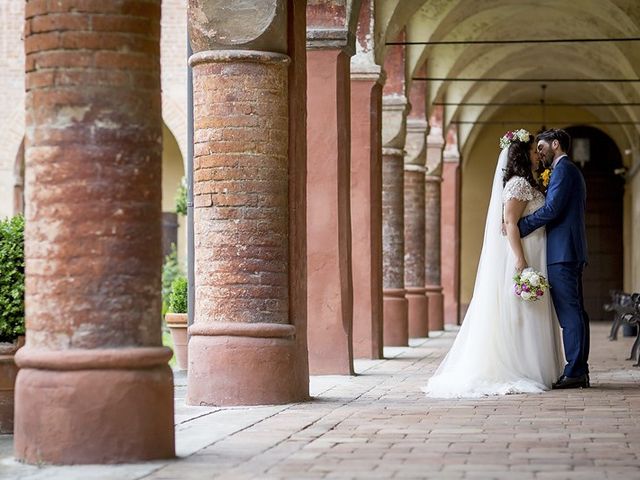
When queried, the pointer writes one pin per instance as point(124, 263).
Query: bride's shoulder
point(518, 188)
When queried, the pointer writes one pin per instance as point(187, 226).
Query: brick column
point(329, 277)
point(450, 229)
point(394, 117)
point(432, 252)
point(414, 213)
point(94, 385)
point(432, 208)
point(242, 348)
point(396, 328)
point(366, 192)
point(414, 227)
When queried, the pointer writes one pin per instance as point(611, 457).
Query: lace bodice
point(520, 189)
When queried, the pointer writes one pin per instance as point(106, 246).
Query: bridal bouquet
point(530, 285)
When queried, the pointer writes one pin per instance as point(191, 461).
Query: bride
point(505, 345)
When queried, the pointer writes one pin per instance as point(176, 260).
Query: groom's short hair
point(558, 134)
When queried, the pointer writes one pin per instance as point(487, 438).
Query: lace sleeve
point(518, 188)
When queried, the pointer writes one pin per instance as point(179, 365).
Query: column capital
point(331, 39)
point(262, 25)
point(392, 151)
point(451, 156)
point(412, 167)
point(435, 142)
point(394, 120)
point(364, 68)
point(230, 56)
point(417, 125)
point(431, 177)
point(435, 136)
point(416, 142)
point(435, 146)
point(395, 101)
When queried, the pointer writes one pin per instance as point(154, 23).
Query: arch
point(12, 136)
point(18, 180)
point(173, 171)
point(174, 115)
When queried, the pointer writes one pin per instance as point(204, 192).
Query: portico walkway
point(379, 425)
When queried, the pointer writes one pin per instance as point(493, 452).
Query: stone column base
point(395, 317)
point(94, 406)
point(418, 312)
point(242, 364)
point(436, 308)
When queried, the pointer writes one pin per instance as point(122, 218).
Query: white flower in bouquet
point(534, 279)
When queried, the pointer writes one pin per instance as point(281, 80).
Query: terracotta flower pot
point(177, 323)
point(8, 373)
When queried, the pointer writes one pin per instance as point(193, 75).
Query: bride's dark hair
point(519, 163)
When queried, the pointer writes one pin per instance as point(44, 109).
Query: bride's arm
point(513, 209)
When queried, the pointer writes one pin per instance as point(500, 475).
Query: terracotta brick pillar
point(396, 328)
point(450, 229)
point(432, 252)
point(394, 117)
point(414, 239)
point(329, 277)
point(242, 349)
point(432, 208)
point(366, 193)
point(94, 385)
point(414, 213)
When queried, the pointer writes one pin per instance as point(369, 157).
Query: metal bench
point(626, 308)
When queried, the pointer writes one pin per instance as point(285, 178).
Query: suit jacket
point(563, 214)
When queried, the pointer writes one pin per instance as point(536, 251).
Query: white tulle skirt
point(506, 345)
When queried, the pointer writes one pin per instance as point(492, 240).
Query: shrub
point(178, 295)
point(11, 278)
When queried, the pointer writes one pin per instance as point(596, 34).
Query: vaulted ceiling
point(451, 20)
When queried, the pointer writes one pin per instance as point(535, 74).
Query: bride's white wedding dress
point(505, 344)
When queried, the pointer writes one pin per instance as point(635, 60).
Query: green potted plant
point(170, 271)
point(11, 312)
point(176, 319)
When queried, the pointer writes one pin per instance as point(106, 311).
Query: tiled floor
point(378, 424)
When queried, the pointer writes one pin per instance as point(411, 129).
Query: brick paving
point(379, 425)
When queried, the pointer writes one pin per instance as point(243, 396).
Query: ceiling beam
point(519, 42)
point(527, 80)
point(531, 122)
point(537, 104)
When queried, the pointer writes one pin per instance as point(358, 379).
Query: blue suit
point(563, 215)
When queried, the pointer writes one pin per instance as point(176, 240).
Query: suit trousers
point(566, 291)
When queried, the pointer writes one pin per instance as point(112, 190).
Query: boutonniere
point(546, 177)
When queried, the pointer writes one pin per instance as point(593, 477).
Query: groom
point(563, 215)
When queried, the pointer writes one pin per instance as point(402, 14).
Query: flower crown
point(511, 136)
